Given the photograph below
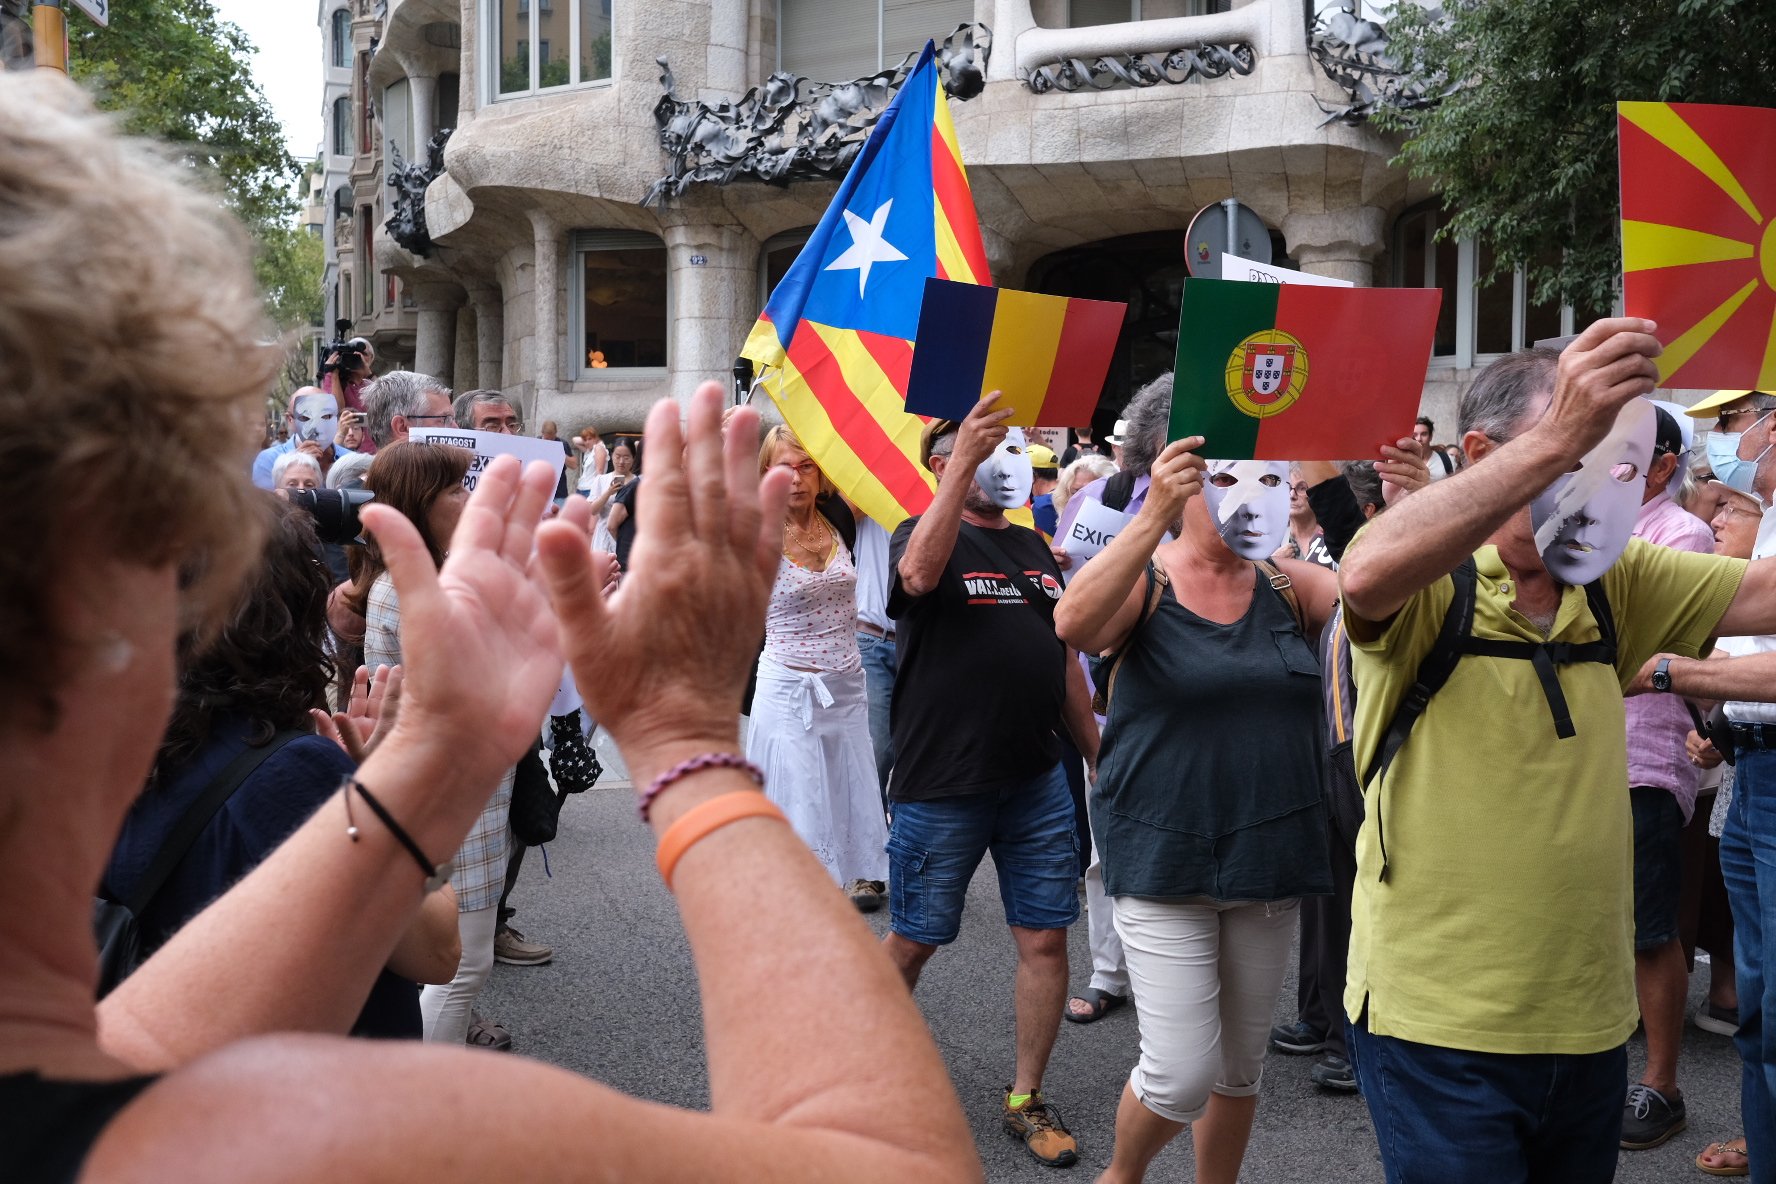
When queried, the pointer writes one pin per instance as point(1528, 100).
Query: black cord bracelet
point(437, 875)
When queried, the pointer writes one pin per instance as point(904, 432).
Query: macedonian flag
point(1699, 238)
point(1297, 371)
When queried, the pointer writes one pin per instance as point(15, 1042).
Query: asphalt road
point(619, 1003)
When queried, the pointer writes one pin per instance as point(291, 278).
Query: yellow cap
point(1710, 407)
point(1041, 456)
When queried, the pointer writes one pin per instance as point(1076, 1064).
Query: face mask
point(1005, 476)
point(1248, 501)
point(1584, 520)
point(316, 416)
point(1723, 458)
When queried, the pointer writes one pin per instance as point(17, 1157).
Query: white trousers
point(1205, 978)
point(1109, 974)
point(444, 1007)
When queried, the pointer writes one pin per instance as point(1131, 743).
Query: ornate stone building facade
point(524, 255)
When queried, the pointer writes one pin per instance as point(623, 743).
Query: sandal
point(1101, 1003)
point(1741, 1168)
point(487, 1034)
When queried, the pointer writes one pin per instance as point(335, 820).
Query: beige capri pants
point(1205, 977)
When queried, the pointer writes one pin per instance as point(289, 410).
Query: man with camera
point(1491, 977)
point(316, 422)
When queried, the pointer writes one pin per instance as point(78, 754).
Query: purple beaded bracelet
point(697, 764)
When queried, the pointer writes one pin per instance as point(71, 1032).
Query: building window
point(775, 258)
point(342, 39)
point(367, 255)
point(342, 118)
point(1476, 321)
point(518, 25)
point(362, 90)
point(449, 99)
point(619, 317)
point(397, 119)
point(834, 40)
point(344, 307)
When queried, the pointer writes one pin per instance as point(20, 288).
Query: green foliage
point(290, 265)
point(1523, 150)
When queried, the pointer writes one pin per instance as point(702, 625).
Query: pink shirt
point(1657, 724)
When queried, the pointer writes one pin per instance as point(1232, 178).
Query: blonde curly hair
point(132, 363)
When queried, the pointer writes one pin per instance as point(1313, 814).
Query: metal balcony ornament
point(791, 129)
point(1140, 69)
point(407, 221)
point(1354, 54)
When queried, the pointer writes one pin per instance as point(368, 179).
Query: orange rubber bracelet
point(705, 818)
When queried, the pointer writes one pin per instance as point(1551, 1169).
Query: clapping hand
point(368, 714)
point(685, 625)
point(482, 657)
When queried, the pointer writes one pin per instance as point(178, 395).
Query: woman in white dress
point(810, 714)
point(601, 490)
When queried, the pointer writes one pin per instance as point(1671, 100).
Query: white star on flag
point(868, 247)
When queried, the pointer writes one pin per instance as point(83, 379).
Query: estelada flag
point(1047, 354)
point(835, 342)
point(1698, 244)
point(1295, 372)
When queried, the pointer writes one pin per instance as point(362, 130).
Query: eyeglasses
point(1723, 422)
point(443, 418)
point(1297, 487)
point(509, 427)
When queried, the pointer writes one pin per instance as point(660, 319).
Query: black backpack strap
point(1433, 671)
point(1119, 490)
point(198, 816)
point(1547, 657)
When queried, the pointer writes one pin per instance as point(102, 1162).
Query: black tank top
point(1209, 780)
point(48, 1127)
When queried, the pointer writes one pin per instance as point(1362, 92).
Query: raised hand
point(1404, 468)
point(369, 713)
point(662, 663)
point(980, 432)
point(1608, 364)
point(482, 658)
point(1175, 478)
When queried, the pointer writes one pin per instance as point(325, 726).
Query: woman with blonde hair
point(130, 364)
point(810, 713)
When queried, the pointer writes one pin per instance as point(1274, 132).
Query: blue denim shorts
point(934, 847)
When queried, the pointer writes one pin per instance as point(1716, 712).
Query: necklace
point(820, 536)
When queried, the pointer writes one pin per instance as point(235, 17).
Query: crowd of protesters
point(1244, 727)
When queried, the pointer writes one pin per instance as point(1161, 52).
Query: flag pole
point(49, 35)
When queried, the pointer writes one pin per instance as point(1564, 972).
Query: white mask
point(1248, 501)
point(1005, 476)
point(1584, 520)
point(316, 417)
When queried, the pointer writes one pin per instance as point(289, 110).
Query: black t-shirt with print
point(977, 699)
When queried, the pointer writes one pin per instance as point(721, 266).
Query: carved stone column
point(434, 350)
point(726, 54)
point(1342, 245)
point(545, 341)
point(422, 95)
point(490, 335)
point(713, 273)
point(465, 368)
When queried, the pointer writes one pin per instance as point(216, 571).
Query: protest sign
point(1048, 354)
point(1252, 271)
point(1298, 372)
point(1698, 257)
point(487, 445)
point(1092, 529)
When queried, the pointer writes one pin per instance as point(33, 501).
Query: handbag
point(535, 813)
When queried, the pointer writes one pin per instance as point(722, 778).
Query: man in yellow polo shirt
point(1491, 981)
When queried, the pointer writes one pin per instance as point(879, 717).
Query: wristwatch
point(1662, 675)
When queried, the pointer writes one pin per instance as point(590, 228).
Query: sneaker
point(865, 894)
point(1722, 1021)
point(1334, 1074)
point(1299, 1039)
point(510, 947)
point(1039, 1126)
point(1649, 1118)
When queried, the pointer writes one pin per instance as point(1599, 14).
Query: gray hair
point(399, 392)
point(1499, 401)
point(464, 406)
point(348, 470)
point(293, 460)
point(1364, 482)
point(1149, 416)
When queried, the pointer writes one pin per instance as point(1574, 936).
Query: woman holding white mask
point(1208, 812)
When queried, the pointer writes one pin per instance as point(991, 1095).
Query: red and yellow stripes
point(961, 255)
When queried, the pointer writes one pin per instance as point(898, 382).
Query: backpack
point(1455, 641)
point(1119, 490)
point(117, 923)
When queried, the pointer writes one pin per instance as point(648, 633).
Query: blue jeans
point(1446, 1116)
point(1748, 864)
point(880, 661)
point(934, 847)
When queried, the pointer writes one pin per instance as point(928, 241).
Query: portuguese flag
point(1297, 371)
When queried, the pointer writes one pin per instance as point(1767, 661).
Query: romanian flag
point(1699, 238)
point(1048, 354)
point(1299, 372)
point(834, 346)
